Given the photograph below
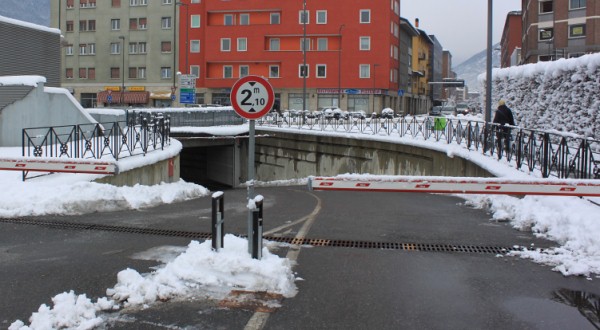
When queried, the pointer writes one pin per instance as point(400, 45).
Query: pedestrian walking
point(503, 117)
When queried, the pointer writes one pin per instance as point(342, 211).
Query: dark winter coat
point(504, 116)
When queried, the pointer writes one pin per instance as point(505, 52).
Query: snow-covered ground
point(572, 222)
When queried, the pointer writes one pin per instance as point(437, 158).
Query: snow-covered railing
point(549, 154)
point(112, 140)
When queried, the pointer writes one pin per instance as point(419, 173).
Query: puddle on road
point(588, 304)
point(547, 314)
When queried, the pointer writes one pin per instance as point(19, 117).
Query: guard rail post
point(257, 230)
point(217, 220)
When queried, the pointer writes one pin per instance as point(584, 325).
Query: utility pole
point(122, 70)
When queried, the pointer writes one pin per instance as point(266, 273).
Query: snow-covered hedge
point(562, 95)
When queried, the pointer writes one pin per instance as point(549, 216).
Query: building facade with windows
point(511, 39)
point(554, 29)
point(343, 56)
point(117, 52)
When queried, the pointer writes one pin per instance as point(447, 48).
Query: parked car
point(387, 113)
point(436, 111)
point(448, 110)
point(358, 114)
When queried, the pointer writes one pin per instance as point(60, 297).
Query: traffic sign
point(187, 95)
point(109, 98)
point(252, 97)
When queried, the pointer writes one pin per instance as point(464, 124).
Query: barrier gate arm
point(459, 185)
point(63, 165)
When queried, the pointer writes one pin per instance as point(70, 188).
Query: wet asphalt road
point(341, 287)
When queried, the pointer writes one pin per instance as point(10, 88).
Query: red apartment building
point(510, 44)
point(559, 28)
point(352, 50)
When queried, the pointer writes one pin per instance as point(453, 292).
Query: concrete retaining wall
point(287, 156)
point(166, 171)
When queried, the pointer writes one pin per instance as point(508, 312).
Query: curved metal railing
point(548, 154)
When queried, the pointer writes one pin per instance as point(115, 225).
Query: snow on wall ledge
point(562, 95)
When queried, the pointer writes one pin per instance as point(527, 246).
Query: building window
point(92, 49)
point(69, 26)
point(321, 16)
point(195, 46)
point(195, 1)
point(70, 4)
point(132, 73)
point(142, 73)
point(87, 3)
point(143, 23)
point(303, 71)
point(142, 47)
point(114, 73)
point(92, 25)
point(365, 43)
point(69, 50)
point(91, 73)
point(577, 31)
point(225, 44)
point(242, 44)
point(115, 48)
point(132, 48)
point(227, 71)
point(365, 71)
point(273, 71)
point(133, 22)
point(69, 73)
point(195, 23)
point(167, 2)
point(304, 17)
point(115, 24)
point(195, 70)
point(274, 44)
point(244, 19)
point(546, 33)
point(576, 4)
point(82, 49)
point(138, 2)
point(546, 7)
point(321, 71)
point(228, 19)
point(304, 44)
point(116, 3)
point(365, 15)
point(165, 72)
point(322, 44)
point(244, 70)
point(166, 22)
point(275, 18)
point(165, 47)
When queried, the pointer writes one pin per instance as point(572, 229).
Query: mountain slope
point(475, 65)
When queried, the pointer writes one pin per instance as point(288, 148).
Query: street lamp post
point(374, 83)
point(122, 69)
point(187, 35)
point(340, 69)
point(304, 68)
point(488, 75)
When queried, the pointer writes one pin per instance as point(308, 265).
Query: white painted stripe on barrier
point(453, 185)
point(69, 165)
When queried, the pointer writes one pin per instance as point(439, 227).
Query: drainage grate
point(288, 240)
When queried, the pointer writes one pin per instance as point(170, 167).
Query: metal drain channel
point(289, 240)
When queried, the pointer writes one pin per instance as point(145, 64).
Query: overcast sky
point(459, 25)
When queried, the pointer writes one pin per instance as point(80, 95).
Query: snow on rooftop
point(29, 25)
point(32, 81)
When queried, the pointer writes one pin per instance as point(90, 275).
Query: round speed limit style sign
point(252, 97)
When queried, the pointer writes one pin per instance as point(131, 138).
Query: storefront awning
point(160, 95)
point(128, 97)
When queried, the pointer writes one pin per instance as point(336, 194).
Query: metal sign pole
point(250, 182)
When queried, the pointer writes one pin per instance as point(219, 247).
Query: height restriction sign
point(252, 97)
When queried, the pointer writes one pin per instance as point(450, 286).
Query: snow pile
point(572, 222)
point(559, 95)
point(197, 270)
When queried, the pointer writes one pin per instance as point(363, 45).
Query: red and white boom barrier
point(66, 165)
point(458, 185)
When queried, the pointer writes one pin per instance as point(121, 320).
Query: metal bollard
point(217, 220)
point(257, 230)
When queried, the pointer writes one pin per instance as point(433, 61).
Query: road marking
point(259, 319)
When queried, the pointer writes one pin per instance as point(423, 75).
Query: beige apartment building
point(555, 29)
point(118, 52)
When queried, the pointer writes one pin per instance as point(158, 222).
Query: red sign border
point(238, 109)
